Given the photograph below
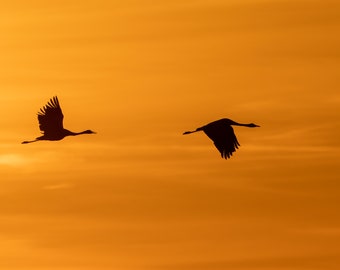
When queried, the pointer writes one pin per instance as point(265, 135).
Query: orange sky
point(138, 194)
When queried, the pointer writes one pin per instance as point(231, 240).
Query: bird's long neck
point(70, 133)
point(240, 124)
point(251, 125)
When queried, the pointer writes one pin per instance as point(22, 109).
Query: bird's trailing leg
point(189, 132)
point(24, 142)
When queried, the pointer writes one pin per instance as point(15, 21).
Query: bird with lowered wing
point(222, 134)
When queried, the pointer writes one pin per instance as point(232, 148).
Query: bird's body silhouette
point(222, 134)
point(50, 119)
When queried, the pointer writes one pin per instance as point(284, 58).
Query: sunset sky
point(140, 196)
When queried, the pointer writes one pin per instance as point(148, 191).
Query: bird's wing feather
point(223, 137)
point(50, 117)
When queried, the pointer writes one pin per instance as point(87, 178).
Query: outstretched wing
point(223, 137)
point(50, 118)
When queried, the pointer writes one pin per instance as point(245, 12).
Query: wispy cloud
point(311, 261)
point(59, 186)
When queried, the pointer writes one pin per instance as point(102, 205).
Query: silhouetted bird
point(223, 135)
point(50, 119)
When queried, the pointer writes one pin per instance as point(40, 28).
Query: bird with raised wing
point(222, 134)
point(50, 119)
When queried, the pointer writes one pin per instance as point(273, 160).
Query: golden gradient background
point(139, 195)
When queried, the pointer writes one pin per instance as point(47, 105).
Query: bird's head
point(253, 125)
point(89, 132)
